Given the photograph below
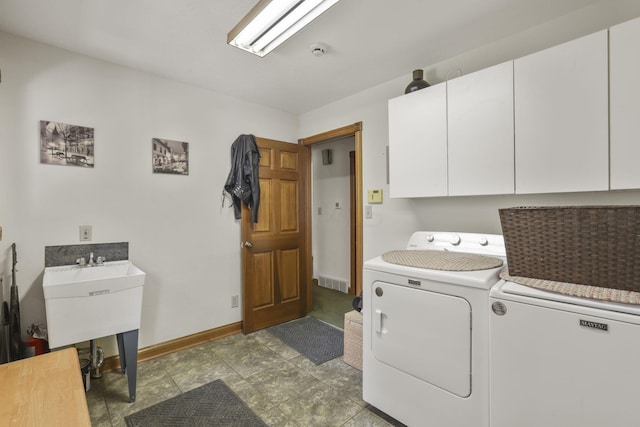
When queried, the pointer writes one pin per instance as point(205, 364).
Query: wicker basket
point(353, 339)
point(588, 245)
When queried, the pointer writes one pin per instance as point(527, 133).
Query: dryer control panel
point(482, 244)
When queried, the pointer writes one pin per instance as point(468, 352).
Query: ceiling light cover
point(271, 22)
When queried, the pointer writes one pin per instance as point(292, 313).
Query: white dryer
point(425, 334)
point(562, 361)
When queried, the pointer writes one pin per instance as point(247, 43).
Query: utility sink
point(85, 303)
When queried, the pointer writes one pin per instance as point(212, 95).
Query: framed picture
point(170, 156)
point(65, 144)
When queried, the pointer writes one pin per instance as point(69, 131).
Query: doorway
point(340, 211)
point(331, 226)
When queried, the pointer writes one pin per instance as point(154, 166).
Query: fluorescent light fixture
point(271, 22)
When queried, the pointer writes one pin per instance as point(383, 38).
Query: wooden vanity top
point(44, 390)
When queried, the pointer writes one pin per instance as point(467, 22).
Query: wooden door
point(274, 251)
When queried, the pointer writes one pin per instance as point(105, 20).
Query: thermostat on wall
point(375, 196)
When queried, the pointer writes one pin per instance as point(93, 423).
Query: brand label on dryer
point(594, 325)
point(414, 282)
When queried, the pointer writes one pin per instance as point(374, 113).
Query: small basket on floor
point(353, 339)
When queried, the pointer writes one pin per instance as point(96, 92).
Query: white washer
point(561, 361)
point(425, 335)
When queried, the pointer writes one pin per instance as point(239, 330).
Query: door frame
point(353, 275)
point(354, 130)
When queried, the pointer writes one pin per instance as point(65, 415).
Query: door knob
point(248, 244)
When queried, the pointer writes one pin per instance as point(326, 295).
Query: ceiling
point(369, 41)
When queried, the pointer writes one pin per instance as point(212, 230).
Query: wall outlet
point(235, 301)
point(85, 233)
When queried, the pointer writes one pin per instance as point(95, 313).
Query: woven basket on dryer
point(588, 245)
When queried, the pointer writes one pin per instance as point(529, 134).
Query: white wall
point(176, 229)
point(395, 220)
point(331, 229)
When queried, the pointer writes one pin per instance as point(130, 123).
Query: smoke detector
point(318, 49)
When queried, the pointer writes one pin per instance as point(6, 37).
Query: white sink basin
point(86, 303)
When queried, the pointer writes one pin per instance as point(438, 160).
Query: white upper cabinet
point(418, 143)
point(480, 115)
point(624, 89)
point(561, 118)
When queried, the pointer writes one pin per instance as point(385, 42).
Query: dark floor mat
point(213, 404)
point(316, 340)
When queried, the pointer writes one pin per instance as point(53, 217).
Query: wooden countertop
point(44, 390)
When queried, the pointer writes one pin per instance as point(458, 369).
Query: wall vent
point(333, 283)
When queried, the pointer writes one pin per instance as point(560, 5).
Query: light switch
point(85, 233)
point(374, 196)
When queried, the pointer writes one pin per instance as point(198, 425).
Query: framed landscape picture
point(65, 144)
point(170, 157)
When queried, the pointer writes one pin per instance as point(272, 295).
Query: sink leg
point(121, 352)
point(128, 350)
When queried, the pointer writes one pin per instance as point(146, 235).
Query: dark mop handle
point(4, 332)
point(14, 313)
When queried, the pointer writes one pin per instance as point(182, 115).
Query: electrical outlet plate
point(234, 301)
point(85, 233)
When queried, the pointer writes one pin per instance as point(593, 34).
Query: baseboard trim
point(113, 363)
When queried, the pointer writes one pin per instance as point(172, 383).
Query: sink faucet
point(82, 262)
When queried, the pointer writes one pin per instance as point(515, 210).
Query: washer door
point(425, 334)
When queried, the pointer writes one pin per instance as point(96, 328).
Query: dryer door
point(425, 334)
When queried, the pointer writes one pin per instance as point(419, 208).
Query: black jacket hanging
point(243, 184)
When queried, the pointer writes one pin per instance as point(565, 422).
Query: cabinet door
point(561, 118)
point(418, 143)
point(480, 139)
point(625, 104)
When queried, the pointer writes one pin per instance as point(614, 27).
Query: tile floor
point(277, 383)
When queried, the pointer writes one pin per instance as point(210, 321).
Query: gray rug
point(213, 404)
point(316, 340)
